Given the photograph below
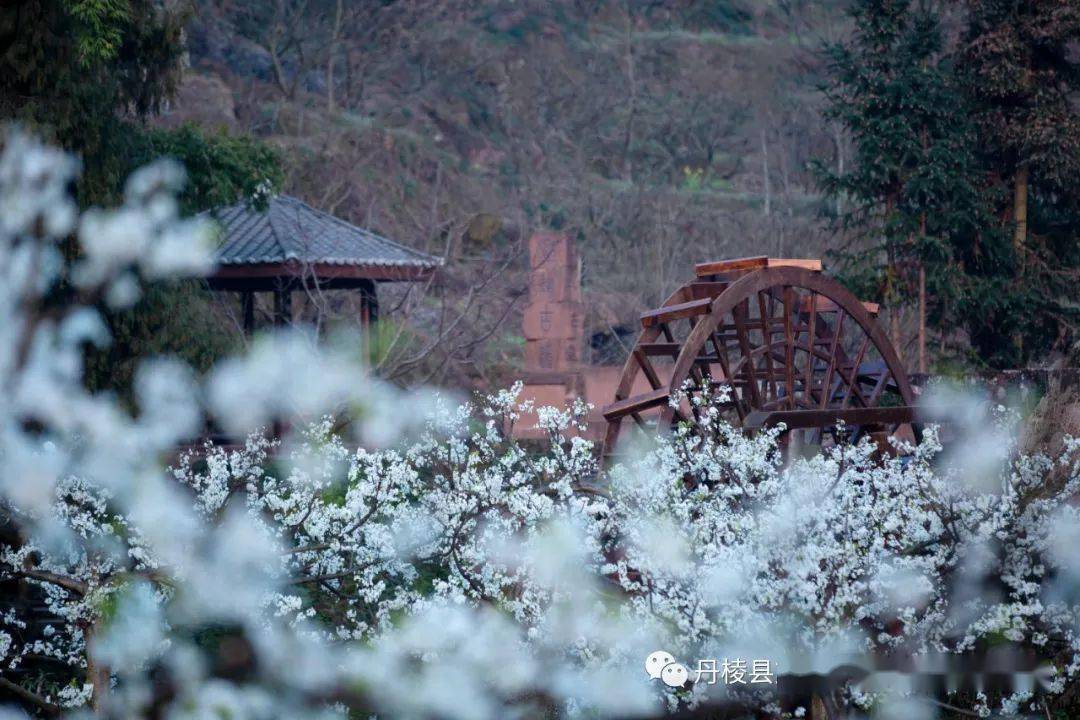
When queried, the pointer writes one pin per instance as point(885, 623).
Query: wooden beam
point(812, 265)
point(312, 272)
point(675, 312)
point(647, 368)
point(823, 304)
point(636, 404)
point(802, 419)
point(723, 266)
point(754, 263)
point(700, 289)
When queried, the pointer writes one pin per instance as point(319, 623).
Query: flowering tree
point(399, 555)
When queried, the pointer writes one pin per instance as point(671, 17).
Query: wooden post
point(282, 306)
point(369, 314)
point(371, 301)
point(247, 302)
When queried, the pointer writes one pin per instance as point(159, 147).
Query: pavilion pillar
point(282, 306)
point(247, 301)
point(369, 304)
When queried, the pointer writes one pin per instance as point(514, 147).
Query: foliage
point(100, 28)
point(1018, 71)
point(1017, 66)
point(169, 317)
point(75, 69)
point(914, 185)
point(88, 72)
point(221, 169)
point(173, 318)
point(937, 144)
point(441, 569)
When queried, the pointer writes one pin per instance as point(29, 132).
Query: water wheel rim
point(743, 289)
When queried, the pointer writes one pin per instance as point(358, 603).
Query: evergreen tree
point(913, 190)
point(1021, 76)
point(963, 161)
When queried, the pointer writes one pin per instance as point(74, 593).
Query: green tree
point(176, 318)
point(80, 71)
point(913, 190)
point(1017, 66)
point(87, 74)
point(221, 168)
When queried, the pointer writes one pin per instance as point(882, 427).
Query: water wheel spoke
point(676, 312)
point(721, 349)
point(740, 313)
point(837, 334)
point(879, 387)
point(647, 368)
point(636, 404)
point(653, 349)
point(852, 387)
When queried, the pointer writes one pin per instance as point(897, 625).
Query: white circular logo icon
point(674, 675)
point(655, 663)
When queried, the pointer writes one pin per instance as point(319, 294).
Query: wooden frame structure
point(290, 246)
point(769, 341)
point(283, 279)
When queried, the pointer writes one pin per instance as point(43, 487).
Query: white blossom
point(400, 554)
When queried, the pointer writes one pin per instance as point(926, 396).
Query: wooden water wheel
point(785, 343)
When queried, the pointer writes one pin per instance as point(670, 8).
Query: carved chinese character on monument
point(547, 316)
point(547, 355)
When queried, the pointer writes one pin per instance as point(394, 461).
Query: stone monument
point(553, 326)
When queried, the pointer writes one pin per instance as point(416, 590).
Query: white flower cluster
point(400, 555)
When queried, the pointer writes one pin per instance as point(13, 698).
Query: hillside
point(658, 134)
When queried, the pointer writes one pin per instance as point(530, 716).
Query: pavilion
point(291, 246)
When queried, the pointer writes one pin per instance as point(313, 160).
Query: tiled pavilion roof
point(290, 230)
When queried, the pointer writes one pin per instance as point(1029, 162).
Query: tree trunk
point(891, 294)
point(1020, 208)
point(97, 674)
point(279, 71)
point(922, 318)
point(945, 318)
point(765, 172)
point(922, 300)
point(631, 81)
point(838, 138)
point(332, 56)
point(894, 330)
